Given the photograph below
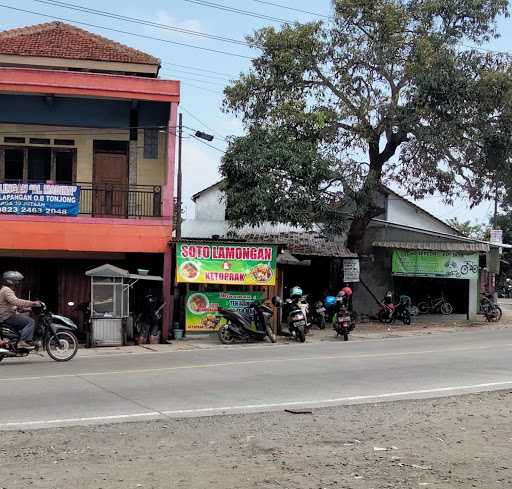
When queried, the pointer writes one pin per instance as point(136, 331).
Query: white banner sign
point(351, 270)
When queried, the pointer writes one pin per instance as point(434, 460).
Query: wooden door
point(110, 184)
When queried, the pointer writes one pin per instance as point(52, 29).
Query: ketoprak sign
point(208, 263)
point(39, 199)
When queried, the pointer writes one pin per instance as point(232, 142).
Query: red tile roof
point(60, 40)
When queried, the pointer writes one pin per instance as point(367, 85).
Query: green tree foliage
point(467, 228)
point(383, 92)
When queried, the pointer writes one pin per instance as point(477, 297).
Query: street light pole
point(179, 207)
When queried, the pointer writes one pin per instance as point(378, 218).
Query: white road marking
point(252, 407)
point(256, 362)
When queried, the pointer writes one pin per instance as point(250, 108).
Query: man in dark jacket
point(10, 306)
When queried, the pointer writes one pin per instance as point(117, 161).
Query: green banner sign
point(209, 263)
point(201, 308)
point(443, 264)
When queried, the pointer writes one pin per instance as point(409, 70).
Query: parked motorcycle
point(343, 320)
point(490, 309)
point(255, 324)
point(390, 312)
point(296, 318)
point(53, 333)
point(318, 315)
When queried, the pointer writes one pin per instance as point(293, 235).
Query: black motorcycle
point(344, 323)
point(254, 324)
point(490, 309)
point(53, 333)
point(296, 318)
point(318, 314)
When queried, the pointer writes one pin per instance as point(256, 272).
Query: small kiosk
point(110, 303)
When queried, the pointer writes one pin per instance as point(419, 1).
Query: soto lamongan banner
point(201, 308)
point(216, 263)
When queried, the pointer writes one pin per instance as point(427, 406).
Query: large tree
point(384, 91)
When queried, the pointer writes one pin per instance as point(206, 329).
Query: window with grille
point(151, 144)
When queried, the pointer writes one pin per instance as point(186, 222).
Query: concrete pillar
point(167, 295)
point(132, 168)
point(473, 305)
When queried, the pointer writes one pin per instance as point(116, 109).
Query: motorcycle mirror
point(71, 303)
point(277, 301)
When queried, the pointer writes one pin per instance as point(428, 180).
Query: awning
point(471, 247)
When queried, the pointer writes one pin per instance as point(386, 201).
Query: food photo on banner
point(241, 264)
point(39, 199)
point(202, 307)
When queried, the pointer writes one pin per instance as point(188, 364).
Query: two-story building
point(80, 110)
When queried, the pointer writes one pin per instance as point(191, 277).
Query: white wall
point(209, 206)
point(402, 212)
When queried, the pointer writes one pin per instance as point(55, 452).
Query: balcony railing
point(114, 200)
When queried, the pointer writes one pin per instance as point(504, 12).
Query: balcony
point(110, 200)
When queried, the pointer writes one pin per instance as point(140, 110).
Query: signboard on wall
point(351, 270)
point(241, 264)
point(497, 236)
point(441, 264)
point(201, 308)
point(39, 199)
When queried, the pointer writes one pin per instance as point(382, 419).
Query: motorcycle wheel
point(301, 336)
point(446, 308)
point(385, 317)
point(345, 336)
point(423, 308)
point(1, 358)
point(321, 323)
point(494, 315)
point(225, 336)
point(406, 317)
point(62, 346)
point(271, 334)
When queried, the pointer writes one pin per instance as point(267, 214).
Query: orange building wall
point(87, 236)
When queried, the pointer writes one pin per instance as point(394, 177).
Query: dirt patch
point(444, 443)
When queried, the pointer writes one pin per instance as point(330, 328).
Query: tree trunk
point(357, 232)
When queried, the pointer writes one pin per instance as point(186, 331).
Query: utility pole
point(180, 179)
point(179, 206)
point(496, 185)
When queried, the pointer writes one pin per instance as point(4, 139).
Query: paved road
point(37, 392)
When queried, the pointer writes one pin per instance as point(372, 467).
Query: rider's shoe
point(23, 345)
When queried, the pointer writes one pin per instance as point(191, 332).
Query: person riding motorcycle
point(10, 305)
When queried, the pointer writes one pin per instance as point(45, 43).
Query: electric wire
point(201, 122)
point(120, 31)
point(273, 4)
point(249, 13)
point(139, 21)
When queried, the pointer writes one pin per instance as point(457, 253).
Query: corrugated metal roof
point(434, 246)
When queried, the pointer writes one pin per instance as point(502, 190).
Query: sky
point(204, 73)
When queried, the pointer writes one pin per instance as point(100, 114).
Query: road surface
point(38, 392)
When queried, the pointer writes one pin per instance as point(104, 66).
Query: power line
point(208, 144)
point(187, 84)
point(142, 36)
point(138, 21)
point(316, 14)
point(210, 77)
point(202, 123)
point(165, 63)
point(239, 11)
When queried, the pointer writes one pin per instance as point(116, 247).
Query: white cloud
point(200, 167)
point(165, 18)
